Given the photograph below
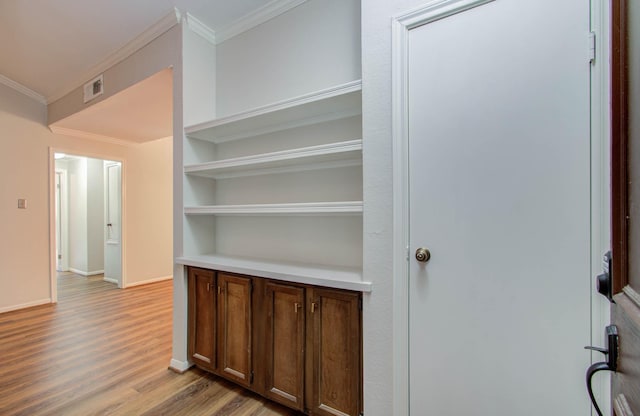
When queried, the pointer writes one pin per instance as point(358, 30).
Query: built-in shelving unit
point(292, 171)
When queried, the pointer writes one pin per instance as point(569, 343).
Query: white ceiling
point(48, 45)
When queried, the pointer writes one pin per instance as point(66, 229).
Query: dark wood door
point(202, 314)
point(284, 344)
point(334, 363)
point(625, 164)
point(234, 328)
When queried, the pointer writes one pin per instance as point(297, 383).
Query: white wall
point(24, 159)
point(95, 215)
point(378, 200)
point(313, 46)
point(86, 215)
point(78, 246)
point(24, 250)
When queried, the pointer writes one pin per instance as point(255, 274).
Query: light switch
point(22, 203)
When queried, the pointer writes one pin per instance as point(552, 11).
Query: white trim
point(600, 182)
point(401, 25)
point(26, 305)
point(256, 17)
point(149, 281)
point(53, 273)
point(304, 208)
point(179, 366)
point(111, 280)
point(83, 273)
point(199, 28)
point(148, 35)
point(22, 89)
point(91, 136)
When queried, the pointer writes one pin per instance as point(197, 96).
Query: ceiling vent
point(93, 88)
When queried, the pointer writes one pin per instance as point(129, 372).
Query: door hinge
point(592, 47)
point(251, 377)
point(359, 304)
point(59, 256)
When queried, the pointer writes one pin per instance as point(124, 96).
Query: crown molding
point(91, 136)
point(22, 89)
point(196, 26)
point(161, 26)
point(265, 13)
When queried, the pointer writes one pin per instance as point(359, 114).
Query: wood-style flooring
point(105, 351)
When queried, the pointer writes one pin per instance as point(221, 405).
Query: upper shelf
point(348, 153)
point(325, 105)
point(304, 208)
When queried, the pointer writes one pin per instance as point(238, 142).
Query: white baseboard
point(83, 273)
point(146, 282)
point(179, 366)
point(110, 280)
point(25, 305)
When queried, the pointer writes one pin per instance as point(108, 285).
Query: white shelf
point(335, 277)
point(332, 155)
point(325, 105)
point(306, 208)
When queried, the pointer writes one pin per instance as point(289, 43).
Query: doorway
point(87, 211)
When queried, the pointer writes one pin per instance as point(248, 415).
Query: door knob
point(611, 351)
point(423, 255)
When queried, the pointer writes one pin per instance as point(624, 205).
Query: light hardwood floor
point(105, 351)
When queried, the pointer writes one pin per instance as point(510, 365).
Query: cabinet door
point(336, 352)
point(234, 328)
point(202, 317)
point(284, 344)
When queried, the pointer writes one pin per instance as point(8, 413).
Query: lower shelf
point(334, 277)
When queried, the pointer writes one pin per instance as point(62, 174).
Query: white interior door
point(113, 226)
point(499, 192)
point(58, 197)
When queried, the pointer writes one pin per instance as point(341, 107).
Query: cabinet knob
point(314, 306)
point(296, 306)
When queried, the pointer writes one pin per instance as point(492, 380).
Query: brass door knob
point(423, 255)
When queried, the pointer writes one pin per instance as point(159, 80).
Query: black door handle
point(611, 351)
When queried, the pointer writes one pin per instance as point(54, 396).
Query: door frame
point(53, 286)
point(600, 174)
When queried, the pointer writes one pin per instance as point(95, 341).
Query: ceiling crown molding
point(161, 26)
point(90, 136)
point(22, 89)
point(265, 13)
point(196, 26)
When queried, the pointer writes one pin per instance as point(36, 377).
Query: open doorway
point(88, 218)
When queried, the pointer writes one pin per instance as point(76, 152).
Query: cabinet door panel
point(284, 344)
point(202, 317)
point(336, 352)
point(234, 326)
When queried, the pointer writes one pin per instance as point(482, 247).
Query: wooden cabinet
point(234, 328)
point(285, 344)
point(303, 342)
point(335, 352)
point(202, 313)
